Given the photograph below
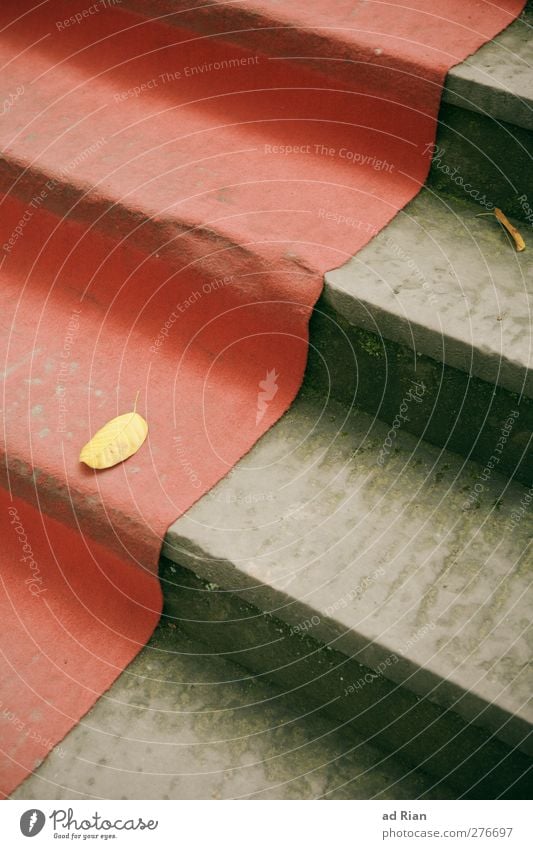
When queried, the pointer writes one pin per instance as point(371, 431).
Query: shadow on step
point(414, 730)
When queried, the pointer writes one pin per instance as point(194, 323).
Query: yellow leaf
point(115, 441)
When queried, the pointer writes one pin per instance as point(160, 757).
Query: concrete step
point(183, 723)
point(496, 80)
point(402, 575)
point(441, 297)
point(484, 145)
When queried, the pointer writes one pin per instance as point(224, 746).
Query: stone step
point(496, 80)
point(439, 297)
point(484, 144)
point(183, 723)
point(402, 575)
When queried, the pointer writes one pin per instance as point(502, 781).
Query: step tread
point(497, 79)
point(305, 523)
point(447, 284)
point(181, 724)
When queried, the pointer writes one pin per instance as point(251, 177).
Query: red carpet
point(171, 197)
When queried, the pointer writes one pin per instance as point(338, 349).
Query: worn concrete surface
point(183, 724)
point(440, 295)
point(447, 284)
point(496, 80)
point(459, 755)
point(456, 411)
point(493, 159)
point(400, 558)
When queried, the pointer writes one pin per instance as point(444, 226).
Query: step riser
point(449, 409)
point(481, 160)
point(419, 732)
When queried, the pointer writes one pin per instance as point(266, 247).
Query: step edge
point(364, 314)
point(514, 729)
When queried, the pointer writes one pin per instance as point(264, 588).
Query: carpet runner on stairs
point(170, 198)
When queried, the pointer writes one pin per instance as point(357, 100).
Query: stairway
point(183, 723)
point(366, 567)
